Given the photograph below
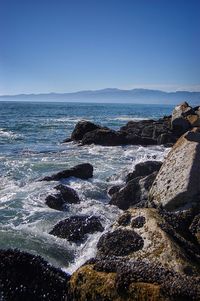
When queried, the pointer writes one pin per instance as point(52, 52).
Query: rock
point(177, 183)
point(82, 171)
point(104, 137)
point(66, 195)
point(144, 169)
point(116, 280)
point(83, 127)
point(184, 118)
point(195, 227)
point(75, 228)
point(139, 140)
point(114, 189)
point(67, 140)
point(164, 235)
point(135, 193)
point(25, 276)
point(119, 243)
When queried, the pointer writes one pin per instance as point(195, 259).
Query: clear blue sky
point(70, 45)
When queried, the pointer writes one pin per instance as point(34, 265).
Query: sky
point(71, 45)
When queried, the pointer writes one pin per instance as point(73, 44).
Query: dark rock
point(138, 222)
point(119, 243)
point(75, 228)
point(25, 276)
point(104, 137)
point(144, 169)
point(139, 140)
point(195, 227)
point(114, 189)
point(66, 195)
point(135, 193)
point(67, 140)
point(82, 171)
point(124, 219)
point(83, 127)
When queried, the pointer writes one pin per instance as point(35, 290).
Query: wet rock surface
point(83, 127)
point(83, 171)
point(119, 243)
point(144, 169)
point(105, 137)
point(75, 228)
point(25, 276)
point(135, 193)
point(65, 195)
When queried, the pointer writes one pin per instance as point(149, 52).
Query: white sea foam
point(8, 134)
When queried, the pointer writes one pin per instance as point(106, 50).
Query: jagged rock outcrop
point(66, 195)
point(82, 171)
point(177, 183)
point(24, 276)
point(74, 228)
point(105, 137)
point(83, 127)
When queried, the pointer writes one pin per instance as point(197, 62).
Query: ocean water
point(31, 136)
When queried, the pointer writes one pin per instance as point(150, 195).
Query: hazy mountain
point(113, 95)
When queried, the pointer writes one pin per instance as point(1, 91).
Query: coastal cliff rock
point(65, 195)
point(177, 183)
point(82, 171)
point(74, 228)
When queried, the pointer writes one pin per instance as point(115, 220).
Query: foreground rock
point(120, 280)
point(82, 171)
point(104, 137)
point(25, 276)
point(178, 183)
point(75, 228)
point(66, 195)
point(135, 193)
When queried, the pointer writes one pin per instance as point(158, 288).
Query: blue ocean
point(31, 147)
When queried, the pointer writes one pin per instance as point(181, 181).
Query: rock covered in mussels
point(83, 171)
point(74, 228)
point(24, 276)
point(65, 195)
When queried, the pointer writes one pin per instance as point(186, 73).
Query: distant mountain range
point(112, 96)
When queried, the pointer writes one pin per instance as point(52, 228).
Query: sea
point(31, 135)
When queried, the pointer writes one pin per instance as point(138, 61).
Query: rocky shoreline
point(152, 252)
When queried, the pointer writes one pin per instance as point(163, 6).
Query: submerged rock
point(135, 193)
point(82, 171)
point(66, 195)
point(75, 228)
point(177, 183)
point(24, 276)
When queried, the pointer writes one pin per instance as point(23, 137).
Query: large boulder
point(83, 127)
point(82, 171)
point(74, 228)
point(144, 169)
point(25, 276)
point(104, 137)
point(134, 194)
point(177, 183)
point(65, 195)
